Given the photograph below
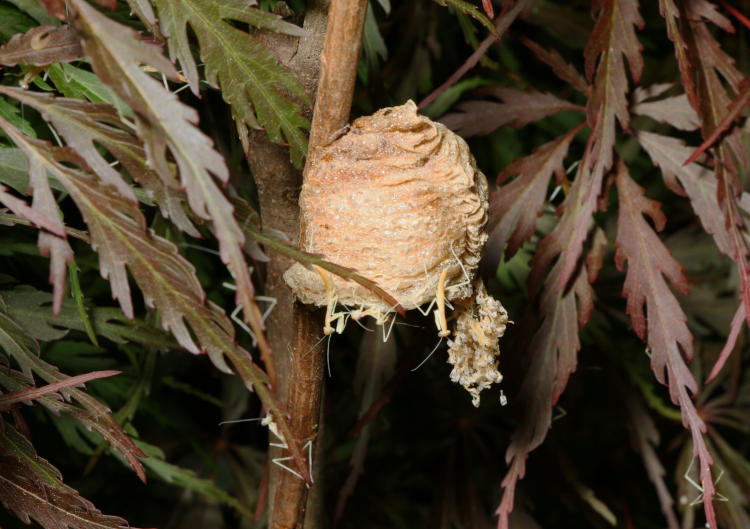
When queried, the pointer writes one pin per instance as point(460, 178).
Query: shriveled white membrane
point(474, 349)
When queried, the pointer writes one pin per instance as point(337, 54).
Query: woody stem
point(331, 113)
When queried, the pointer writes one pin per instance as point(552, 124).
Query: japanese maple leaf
point(726, 123)
point(44, 206)
point(562, 69)
point(41, 46)
point(709, 64)
point(20, 345)
point(517, 109)
point(167, 280)
point(87, 127)
point(714, 103)
point(700, 185)
point(257, 88)
point(708, 69)
point(168, 126)
point(612, 40)
point(515, 206)
point(694, 180)
point(675, 110)
point(650, 265)
point(32, 488)
point(553, 351)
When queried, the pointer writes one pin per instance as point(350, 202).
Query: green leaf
point(73, 436)
point(36, 10)
point(446, 100)
point(20, 248)
point(13, 22)
point(30, 308)
point(650, 395)
point(26, 306)
point(76, 356)
point(373, 45)
point(13, 115)
point(469, 9)
point(14, 171)
point(75, 289)
point(187, 479)
point(13, 167)
point(78, 83)
point(470, 31)
point(251, 80)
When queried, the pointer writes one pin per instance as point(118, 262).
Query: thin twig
point(502, 23)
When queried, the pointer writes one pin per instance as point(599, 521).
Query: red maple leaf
point(649, 264)
point(564, 70)
point(675, 110)
point(612, 40)
point(517, 109)
point(515, 207)
point(734, 110)
point(553, 352)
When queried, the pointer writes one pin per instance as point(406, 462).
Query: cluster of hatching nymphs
point(474, 349)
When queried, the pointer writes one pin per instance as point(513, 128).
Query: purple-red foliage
point(563, 269)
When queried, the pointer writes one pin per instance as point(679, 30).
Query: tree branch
point(332, 105)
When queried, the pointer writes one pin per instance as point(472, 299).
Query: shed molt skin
point(398, 198)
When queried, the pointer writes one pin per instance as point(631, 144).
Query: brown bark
point(332, 105)
point(338, 72)
point(278, 184)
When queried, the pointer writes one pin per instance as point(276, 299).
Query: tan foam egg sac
point(398, 198)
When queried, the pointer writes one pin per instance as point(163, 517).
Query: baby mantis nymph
point(331, 299)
